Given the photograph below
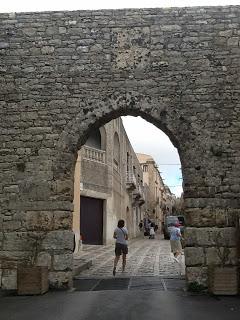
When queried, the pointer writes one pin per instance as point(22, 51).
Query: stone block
point(210, 217)
point(59, 240)
point(11, 225)
point(63, 262)
point(47, 50)
point(17, 241)
point(11, 189)
point(9, 259)
point(200, 217)
point(197, 274)
point(38, 220)
point(44, 259)
point(194, 256)
point(29, 31)
point(233, 42)
point(62, 220)
point(41, 205)
point(4, 45)
point(35, 188)
point(210, 236)
point(60, 279)
point(62, 30)
point(9, 279)
point(215, 256)
point(64, 186)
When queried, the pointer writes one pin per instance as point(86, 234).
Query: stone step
point(81, 265)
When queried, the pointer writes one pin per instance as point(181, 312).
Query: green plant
point(196, 287)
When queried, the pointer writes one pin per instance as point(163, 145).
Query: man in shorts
point(121, 247)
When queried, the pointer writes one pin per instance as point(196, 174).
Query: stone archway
point(206, 218)
point(74, 71)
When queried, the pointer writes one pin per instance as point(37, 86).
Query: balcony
point(131, 182)
point(139, 196)
point(93, 154)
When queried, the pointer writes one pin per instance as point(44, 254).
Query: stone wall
point(63, 73)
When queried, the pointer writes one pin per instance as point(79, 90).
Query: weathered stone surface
point(211, 217)
point(197, 274)
point(216, 256)
point(18, 241)
point(60, 279)
point(63, 262)
point(9, 279)
point(60, 240)
point(177, 68)
point(44, 259)
point(38, 220)
point(62, 220)
point(210, 236)
point(194, 256)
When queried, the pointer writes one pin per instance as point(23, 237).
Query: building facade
point(108, 185)
point(159, 199)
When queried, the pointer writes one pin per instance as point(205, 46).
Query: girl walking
point(121, 247)
point(175, 237)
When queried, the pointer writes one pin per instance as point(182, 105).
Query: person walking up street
point(175, 241)
point(141, 229)
point(121, 246)
point(152, 233)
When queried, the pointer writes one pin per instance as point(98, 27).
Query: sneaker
point(114, 272)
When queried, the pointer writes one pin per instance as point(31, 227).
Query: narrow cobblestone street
point(146, 258)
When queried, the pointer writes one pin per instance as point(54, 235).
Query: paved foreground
point(146, 258)
point(150, 289)
point(121, 305)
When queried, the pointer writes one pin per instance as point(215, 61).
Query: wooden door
point(91, 220)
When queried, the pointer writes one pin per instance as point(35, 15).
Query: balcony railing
point(131, 181)
point(94, 154)
point(138, 196)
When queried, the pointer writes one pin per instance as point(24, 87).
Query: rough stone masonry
point(64, 73)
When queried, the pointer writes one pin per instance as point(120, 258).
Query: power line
point(169, 164)
point(178, 185)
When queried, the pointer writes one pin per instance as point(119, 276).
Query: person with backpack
point(121, 246)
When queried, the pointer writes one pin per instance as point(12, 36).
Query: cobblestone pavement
point(146, 258)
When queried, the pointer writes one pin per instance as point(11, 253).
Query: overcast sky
point(153, 141)
point(146, 138)
point(45, 5)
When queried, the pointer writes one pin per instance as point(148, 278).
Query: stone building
point(170, 200)
point(108, 185)
point(159, 196)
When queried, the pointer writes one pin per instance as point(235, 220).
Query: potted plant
point(222, 278)
point(33, 279)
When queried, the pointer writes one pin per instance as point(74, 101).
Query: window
point(116, 150)
point(145, 168)
point(94, 140)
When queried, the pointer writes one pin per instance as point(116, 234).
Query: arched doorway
point(190, 146)
point(148, 65)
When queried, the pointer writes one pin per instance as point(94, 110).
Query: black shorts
point(121, 248)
